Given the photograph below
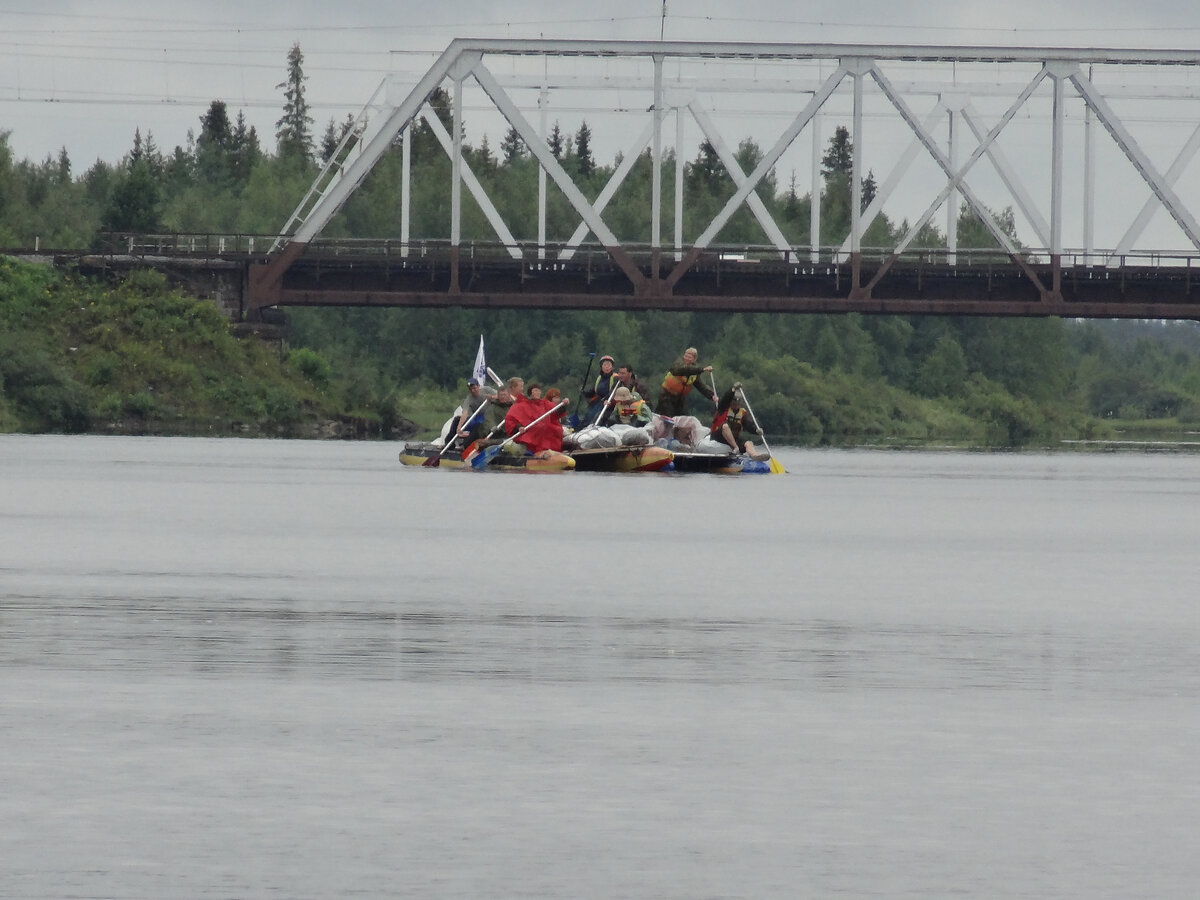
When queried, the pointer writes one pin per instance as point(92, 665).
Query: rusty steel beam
point(265, 280)
point(1036, 308)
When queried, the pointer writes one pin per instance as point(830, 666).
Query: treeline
point(814, 378)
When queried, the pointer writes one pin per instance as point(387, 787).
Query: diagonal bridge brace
point(1160, 186)
point(765, 165)
point(554, 169)
point(956, 181)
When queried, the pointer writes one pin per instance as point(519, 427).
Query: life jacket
point(730, 417)
point(627, 412)
point(608, 380)
point(678, 384)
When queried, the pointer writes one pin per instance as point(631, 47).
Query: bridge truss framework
point(923, 87)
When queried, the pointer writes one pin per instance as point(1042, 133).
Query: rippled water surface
point(297, 669)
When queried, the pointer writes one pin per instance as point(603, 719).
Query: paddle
point(434, 461)
point(583, 387)
point(607, 402)
point(469, 450)
point(776, 466)
point(487, 454)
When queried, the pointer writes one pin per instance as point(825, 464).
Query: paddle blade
point(777, 467)
point(432, 463)
point(485, 456)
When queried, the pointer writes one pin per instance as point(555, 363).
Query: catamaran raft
point(516, 428)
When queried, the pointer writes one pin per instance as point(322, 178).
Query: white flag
point(480, 371)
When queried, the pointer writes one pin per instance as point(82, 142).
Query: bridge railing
point(185, 244)
point(547, 256)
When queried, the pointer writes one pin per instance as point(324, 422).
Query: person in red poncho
point(545, 435)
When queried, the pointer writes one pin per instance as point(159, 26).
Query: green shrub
point(140, 404)
point(101, 370)
point(45, 396)
point(1011, 421)
point(144, 283)
point(312, 365)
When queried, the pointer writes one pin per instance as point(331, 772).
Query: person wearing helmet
point(600, 389)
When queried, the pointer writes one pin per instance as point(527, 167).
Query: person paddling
point(683, 375)
point(600, 389)
point(732, 420)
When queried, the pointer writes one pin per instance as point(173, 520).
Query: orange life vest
point(628, 411)
point(678, 384)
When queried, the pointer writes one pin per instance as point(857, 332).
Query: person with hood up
point(545, 435)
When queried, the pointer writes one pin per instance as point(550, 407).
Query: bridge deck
point(756, 279)
point(976, 285)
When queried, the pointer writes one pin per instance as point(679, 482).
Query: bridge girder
point(843, 69)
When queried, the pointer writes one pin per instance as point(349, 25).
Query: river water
point(240, 668)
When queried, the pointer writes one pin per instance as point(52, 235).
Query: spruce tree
point(134, 205)
point(330, 140)
point(293, 131)
point(244, 150)
point(63, 167)
point(555, 141)
point(214, 144)
point(512, 147)
point(583, 150)
point(839, 158)
point(706, 172)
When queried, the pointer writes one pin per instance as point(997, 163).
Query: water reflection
point(428, 644)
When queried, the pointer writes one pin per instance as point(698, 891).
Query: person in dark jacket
point(628, 379)
point(733, 420)
point(599, 390)
point(469, 425)
point(683, 375)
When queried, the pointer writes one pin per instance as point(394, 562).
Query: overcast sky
point(85, 75)
point(71, 77)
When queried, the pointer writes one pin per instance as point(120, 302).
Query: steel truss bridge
point(991, 127)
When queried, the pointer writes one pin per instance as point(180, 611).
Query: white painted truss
point(906, 107)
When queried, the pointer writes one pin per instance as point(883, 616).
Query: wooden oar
point(487, 454)
point(434, 461)
point(775, 465)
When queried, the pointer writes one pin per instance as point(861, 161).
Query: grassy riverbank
point(138, 358)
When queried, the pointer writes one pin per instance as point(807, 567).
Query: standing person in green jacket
point(683, 375)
